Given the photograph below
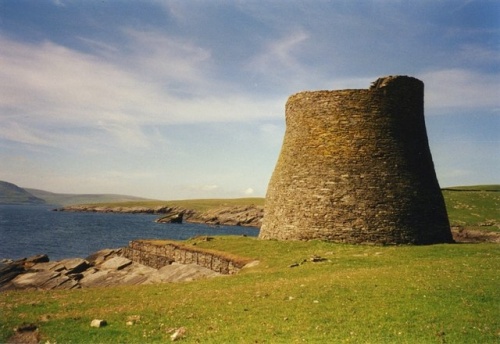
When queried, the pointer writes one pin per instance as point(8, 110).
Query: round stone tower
point(355, 167)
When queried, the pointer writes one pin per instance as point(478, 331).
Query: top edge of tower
point(381, 82)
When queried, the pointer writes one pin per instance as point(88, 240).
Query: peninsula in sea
point(13, 194)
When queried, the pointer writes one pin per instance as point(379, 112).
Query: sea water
point(26, 230)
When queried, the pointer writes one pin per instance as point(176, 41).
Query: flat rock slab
point(101, 256)
point(181, 272)
point(9, 272)
point(72, 265)
point(115, 263)
point(132, 274)
point(34, 279)
point(97, 278)
point(46, 266)
point(75, 265)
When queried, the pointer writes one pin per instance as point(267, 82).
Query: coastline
point(141, 262)
point(245, 215)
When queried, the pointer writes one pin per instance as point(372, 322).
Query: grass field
point(347, 294)
point(357, 294)
point(476, 207)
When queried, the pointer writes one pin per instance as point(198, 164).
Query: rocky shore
point(104, 268)
point(250, 215)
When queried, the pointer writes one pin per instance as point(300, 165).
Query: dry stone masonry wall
point(157, 254)
point(355, 167)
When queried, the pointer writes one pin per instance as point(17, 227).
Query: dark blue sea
point(26, 230)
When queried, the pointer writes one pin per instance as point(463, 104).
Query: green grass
point(474, 207)
point(359, 294)
point(490, 187)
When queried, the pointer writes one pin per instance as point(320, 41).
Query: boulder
point(39, 258)
point(171, 218)
point(98, 323)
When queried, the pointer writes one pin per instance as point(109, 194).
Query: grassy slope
point(474, 207)
point(69, 199)
point(408, 294)
point(12, 194)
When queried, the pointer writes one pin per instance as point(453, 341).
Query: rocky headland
point(246, 215)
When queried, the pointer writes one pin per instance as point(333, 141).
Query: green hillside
point(474, 206)
point(69, 199)
point(12, 194)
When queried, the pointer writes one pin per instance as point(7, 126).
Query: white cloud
point(173, 62)
point(13, 131)
point(46, 88)
point(460, 88)
point(278, 57)
point(249, 191)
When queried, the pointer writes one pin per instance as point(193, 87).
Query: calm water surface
point(30, 230)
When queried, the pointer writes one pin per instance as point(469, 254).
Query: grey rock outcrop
point(104, 268)
point(171, 218)
point(250, 216)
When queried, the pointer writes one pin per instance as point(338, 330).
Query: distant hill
point(13, 194)
point(61, 199)
point(491, 187)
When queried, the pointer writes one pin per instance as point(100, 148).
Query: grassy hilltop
point(312, 292)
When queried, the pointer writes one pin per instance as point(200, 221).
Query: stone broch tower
point(355, 167)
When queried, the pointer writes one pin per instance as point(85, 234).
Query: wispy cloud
point(279, 58)
point(461, 89)
point(47, 85)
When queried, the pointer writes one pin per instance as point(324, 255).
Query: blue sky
point(185, 99)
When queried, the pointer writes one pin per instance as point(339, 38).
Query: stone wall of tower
point(355, 167)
